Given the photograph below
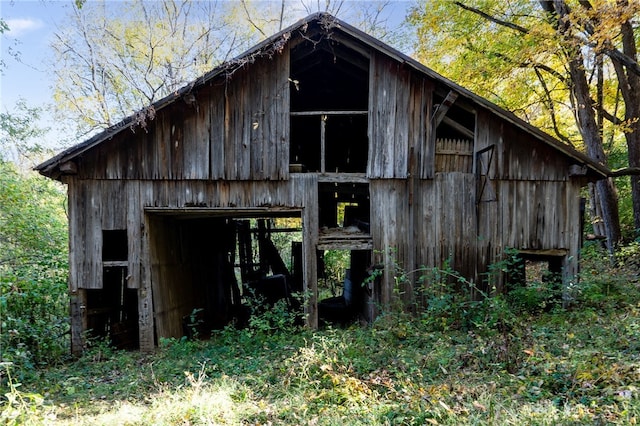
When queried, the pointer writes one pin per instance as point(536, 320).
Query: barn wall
point(517, 155)
point(231, 129)
point(430, 227)
point(399, 102)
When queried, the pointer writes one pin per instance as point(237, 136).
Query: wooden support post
point(78, 312)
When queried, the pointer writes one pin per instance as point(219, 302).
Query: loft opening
point(329, 104)
point(344, 206)
point(454, 123)
point(212, 269)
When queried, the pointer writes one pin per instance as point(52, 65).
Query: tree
point(115, 58)
point(33, 255)
point(557, 65)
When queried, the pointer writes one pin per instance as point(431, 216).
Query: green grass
point(575, 366)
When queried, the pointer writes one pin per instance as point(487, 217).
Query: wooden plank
point(78, 303)
point(282, 136)
point(442, 109)
point(401, 135)
point(75, 203)
point(217, 134)
point(92, 267)
point(323, 112)
point(309, 191)
point(135, 221)
point(427, 133)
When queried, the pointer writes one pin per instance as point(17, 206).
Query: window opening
point(344, 206)
point(454, 124)
point(536, 281)
point(114, 245)
point(329, 142)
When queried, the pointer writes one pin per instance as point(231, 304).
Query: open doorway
point(209, 269)
point(342, 290)
point(112, 311)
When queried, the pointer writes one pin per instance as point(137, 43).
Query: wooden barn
point(327, 139)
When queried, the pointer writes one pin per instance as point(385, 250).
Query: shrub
point(33, 270)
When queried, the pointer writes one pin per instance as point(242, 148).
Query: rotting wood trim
point(345, 245)
point(342, 239)
point(342, 178)
point(312, 113)
point(245, 212)
point(109, 263)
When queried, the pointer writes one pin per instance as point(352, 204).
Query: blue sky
point(32, 24)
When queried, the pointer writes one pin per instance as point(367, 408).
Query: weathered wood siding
point(399, 102)
point(528, 203)
point(518, 155)
point(454, 155)
point(235, 128)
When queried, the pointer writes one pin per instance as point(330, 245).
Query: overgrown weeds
point(453, 364)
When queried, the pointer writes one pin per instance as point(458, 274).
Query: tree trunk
point(586, 119)
point(630, 88)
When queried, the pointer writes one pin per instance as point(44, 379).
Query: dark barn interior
point(210, 271)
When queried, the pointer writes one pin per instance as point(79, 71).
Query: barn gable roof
point(272, 46)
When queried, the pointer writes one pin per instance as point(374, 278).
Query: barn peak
point(313, 42)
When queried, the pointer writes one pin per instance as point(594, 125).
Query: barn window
point(329, 104)
point(344, 206)
point(454, 124)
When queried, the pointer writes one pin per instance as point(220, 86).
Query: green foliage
point(21, 407)
point(33, 269)
point(606, 285)
point(283, 316)
point(547, 369)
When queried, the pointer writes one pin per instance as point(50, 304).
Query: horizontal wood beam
point(342, 178)
point(545, 252)
point(312, 113)
point(458, 127)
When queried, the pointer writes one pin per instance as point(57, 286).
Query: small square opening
point(114, 245)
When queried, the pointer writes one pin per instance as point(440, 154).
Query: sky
point(32, 25)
